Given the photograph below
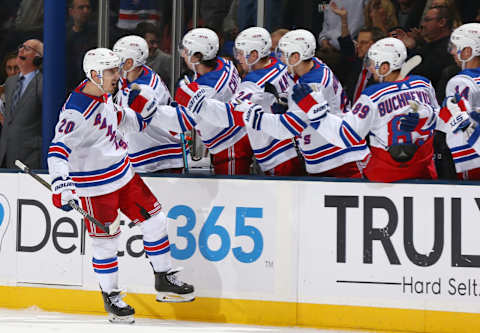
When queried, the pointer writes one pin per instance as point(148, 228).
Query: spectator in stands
point(477, 18)
point(9, 68)
point(436, 29)
point(332, 24)
point(353, 72)
point(402, 34)
point(409, 12)
point(158, 60)
point(380, 14)
point(213, 13)
point(132, 12)
point(81, 36)
point(21, 136)
point(452, 8)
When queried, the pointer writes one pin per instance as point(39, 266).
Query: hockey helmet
point(253, 39)
point(132, 47)
point(467, 35)
point(387, 50)
point(299, 41)
point(99, 60)
point(200, 40)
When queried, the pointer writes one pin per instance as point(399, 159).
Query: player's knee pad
point(155, 227)
point(104, 248)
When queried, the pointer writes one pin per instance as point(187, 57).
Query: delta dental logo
point(4, 218)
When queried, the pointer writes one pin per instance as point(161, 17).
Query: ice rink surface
point(38, 321)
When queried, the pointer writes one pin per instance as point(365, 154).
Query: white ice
point(34, 320)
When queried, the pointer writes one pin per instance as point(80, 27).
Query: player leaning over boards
point(252, 50)
point(297, 50)
point(218, 78)
point(465, 49)
point(400, 137)
point(155, 148)
point(88, 158)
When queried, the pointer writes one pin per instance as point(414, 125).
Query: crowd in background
point(345, 30)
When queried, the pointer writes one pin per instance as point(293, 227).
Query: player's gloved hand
point(142, 101)
point(248, 114)
point(409, 122)
point(455, 113)
point(190, 96)
point(279, 108)
point(312, 103)
point(63, 191)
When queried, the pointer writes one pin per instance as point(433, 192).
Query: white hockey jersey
point(377, 113)
point(269, 151)
point(467, 85)
point(221, 84)
point(319, 154)
point(89, 145)
point(155, 148)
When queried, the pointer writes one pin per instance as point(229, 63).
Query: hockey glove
point(454, 112)
point(190, 96)
point(312, 103)
point(251, 114)
point(63, 191)
point(409, 122)
point(142, 101)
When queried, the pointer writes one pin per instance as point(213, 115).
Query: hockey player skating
point(465, 48)
point(215, 78)
point(88, 157)
point(401, 137)
point(155, 148)
point(297, 49)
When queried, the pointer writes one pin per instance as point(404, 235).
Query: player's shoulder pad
point(268, 73)
point(412, 78)
point(320, 73)
point(474, 73)
point(81, 103)
point(211, 78)
point(374, 88)
point(148, 77)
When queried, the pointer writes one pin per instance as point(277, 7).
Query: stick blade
point(409, 65)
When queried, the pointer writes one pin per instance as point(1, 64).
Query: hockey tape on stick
point(110, 229)
point(184, 153)
point(414, 106)
point(408, 66)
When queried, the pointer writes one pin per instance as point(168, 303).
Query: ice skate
point(171, 289)
point(118, 310)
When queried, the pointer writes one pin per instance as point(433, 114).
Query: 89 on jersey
point(210, 229)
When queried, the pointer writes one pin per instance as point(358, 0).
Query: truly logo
point(4, 217)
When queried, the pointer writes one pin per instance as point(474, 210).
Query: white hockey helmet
point(387, 50)
point(299, 41)
point(201, 40)
point(253, 39)
point(99, 60)
point(467, 35)
point(132, 47)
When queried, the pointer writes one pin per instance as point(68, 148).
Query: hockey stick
point(184, 153)
point(110, 229)
point(408, 66)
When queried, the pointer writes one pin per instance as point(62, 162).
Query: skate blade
point(114, 319)
point(174, 298)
